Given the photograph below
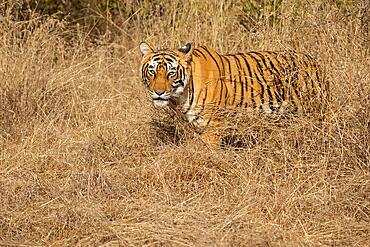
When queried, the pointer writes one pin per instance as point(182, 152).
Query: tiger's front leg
point(207, 126)
point(210, 134)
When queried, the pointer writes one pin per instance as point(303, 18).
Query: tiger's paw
point(211, 140)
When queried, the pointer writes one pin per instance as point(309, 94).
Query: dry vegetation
point(86, 160)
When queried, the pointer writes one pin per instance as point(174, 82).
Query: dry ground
point(86, 160)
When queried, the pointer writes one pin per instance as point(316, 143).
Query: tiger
point(197, 82)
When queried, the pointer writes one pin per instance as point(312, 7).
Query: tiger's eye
point(151, 71)
point(171, 74)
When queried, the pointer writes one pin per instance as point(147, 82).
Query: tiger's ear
point(187, 50)
point(145, 48)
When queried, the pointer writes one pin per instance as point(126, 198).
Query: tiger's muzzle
point(160, 98)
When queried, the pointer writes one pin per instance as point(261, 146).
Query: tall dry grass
point(87, 161)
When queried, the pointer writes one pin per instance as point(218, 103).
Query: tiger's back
point(272, 82)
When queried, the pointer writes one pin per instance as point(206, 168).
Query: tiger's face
point(165, 73)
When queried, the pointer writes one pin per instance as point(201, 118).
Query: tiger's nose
point(159, 92)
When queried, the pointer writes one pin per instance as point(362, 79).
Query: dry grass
point(86, 160)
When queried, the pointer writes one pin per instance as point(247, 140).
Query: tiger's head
point(165, 73)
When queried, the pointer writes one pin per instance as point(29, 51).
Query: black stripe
point(222, 79)
point(295, 80)
point(269, 93)
point(268, 88)
point(240, 81)
point(201, 53)
point(144, 71)
point(276, 82)
point(190, 93)
point(284, 71)
point(213, 58)
point(230, 79)
point(222, 88)
point(251, 79)
point(170, 60)
point(219, 71)
point(195, 53)
point(279, 91)
point(259, 80)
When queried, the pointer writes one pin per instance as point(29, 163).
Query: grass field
point(86, 160)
